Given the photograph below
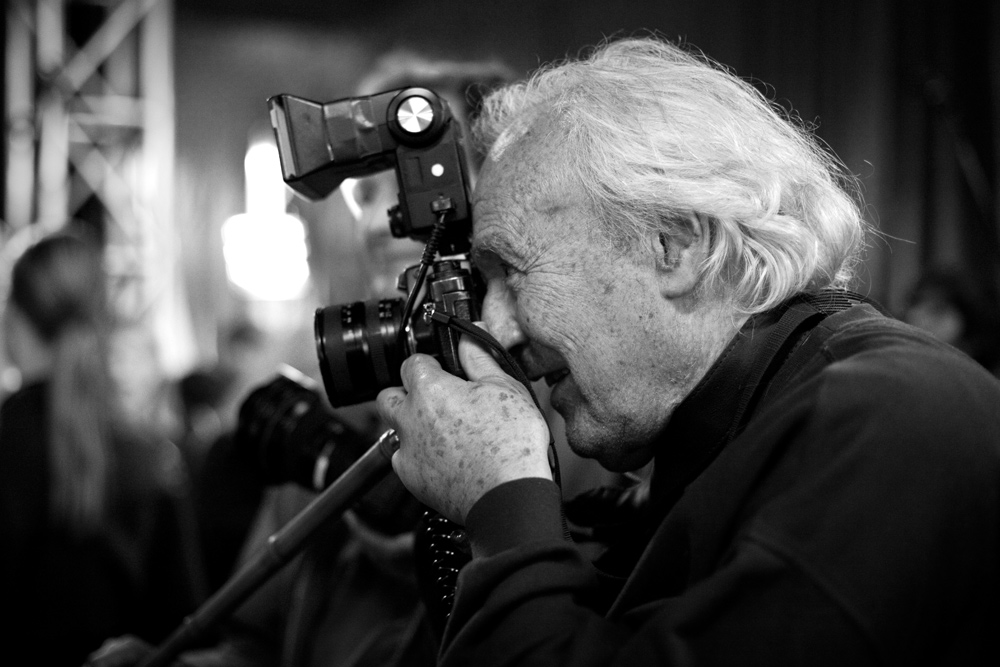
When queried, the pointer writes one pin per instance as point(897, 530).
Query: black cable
point(426, 259)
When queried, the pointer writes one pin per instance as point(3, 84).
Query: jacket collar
point(720, 405)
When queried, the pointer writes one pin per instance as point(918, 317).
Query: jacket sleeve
point(526, 592)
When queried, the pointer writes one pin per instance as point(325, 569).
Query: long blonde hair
point(59, 285)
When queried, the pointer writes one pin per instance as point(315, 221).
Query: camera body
point(411, 130)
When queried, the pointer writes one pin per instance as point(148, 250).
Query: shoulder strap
point(776, 363)
point(796, 317)
point(801, 354)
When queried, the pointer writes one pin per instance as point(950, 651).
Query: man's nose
point(499, 315)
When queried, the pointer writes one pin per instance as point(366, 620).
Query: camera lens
point(356, 344)
point(293, 436)
point(359, 349)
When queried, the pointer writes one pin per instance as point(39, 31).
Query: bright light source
point(266, 255)
point(265, 248)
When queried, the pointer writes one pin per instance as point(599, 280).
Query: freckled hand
point(459, 439)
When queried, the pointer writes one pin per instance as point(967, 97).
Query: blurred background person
point(463, 85)
point(98, 531)
point(227, 486)
point(951, 306)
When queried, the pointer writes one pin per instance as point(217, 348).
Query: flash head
point(410, 130)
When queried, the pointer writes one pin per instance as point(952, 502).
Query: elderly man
point(671, 254)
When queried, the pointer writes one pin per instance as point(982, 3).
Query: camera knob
point(415, 115)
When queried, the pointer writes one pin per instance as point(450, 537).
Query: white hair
point(656, 134)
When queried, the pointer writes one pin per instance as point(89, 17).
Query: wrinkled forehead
point(526, 166)
point(521, 195)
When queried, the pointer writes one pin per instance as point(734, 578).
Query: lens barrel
point(294, 437)
point(359, 345)
point(360, 350)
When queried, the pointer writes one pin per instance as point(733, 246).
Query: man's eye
point(494, 268)
point(507, 270)
point(512, 277)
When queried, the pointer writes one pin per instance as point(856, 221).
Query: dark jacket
point(828, 494)
point(64, 591)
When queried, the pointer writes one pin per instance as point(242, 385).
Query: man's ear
point(680, 255)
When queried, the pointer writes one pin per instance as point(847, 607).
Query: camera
point(361, 345)
point(292, 436)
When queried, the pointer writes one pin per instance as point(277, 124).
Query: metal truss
point(90, 134)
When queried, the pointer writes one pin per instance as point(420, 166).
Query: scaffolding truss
point(90, 137)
